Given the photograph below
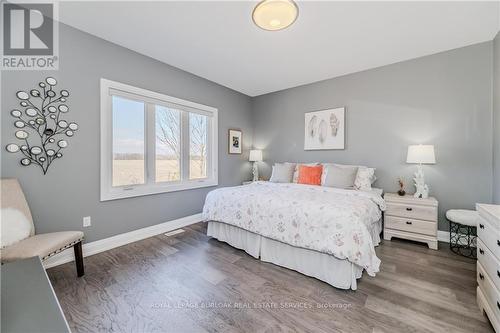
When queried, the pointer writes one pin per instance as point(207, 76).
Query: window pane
point(168, 144)
point(197, 146)
point(128, 142)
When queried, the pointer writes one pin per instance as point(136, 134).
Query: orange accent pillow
point(310, 175)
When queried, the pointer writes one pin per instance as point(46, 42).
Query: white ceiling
point(218, 40)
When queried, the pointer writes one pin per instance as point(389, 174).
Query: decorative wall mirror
point(40, 125)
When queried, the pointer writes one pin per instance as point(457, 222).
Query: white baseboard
point(443, 236)
point(121, 239)
point(139, 234)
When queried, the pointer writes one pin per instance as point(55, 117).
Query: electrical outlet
point(86, 221)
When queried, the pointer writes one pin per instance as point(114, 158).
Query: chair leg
point(79, 259)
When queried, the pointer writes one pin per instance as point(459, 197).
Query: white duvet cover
point(323, 219)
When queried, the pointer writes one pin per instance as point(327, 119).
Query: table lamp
point(255, 156)
point(421, 154)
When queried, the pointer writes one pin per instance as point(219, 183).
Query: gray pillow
point(282, 173)
point(340, 176)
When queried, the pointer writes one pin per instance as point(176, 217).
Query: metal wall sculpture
point(40, 125)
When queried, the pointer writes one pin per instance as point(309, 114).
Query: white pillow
point(14, 227)
point(339, 176)
point(364, 179)
point(326, 165)
point(372, 180)
point(323, 175)
point(282, 173)
point(296, 172)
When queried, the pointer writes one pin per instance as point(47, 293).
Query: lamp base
point(421, 195)
point(255, 172)
point(421, 188)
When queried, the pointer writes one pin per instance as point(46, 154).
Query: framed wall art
point(324, 129)
point(234, 141)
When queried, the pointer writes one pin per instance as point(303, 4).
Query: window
point(154, 143)
point(168, 144)
point(197, 146)
point(128, 142)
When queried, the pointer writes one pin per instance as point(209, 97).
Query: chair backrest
point(12, 196)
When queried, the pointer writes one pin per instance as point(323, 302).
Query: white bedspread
point(324, 219)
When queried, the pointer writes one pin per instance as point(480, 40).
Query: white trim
point(109, 243)
point(108, 192)
point(159, 97)
point(443, 236)
point(140, 190)
point(121, 239)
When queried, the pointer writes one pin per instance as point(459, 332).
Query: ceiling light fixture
point(275, 14)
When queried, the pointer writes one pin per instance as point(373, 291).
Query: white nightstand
point(411, 218)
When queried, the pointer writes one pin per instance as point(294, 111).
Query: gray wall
point(442, 99)
point(70, 190)
point(496, 119)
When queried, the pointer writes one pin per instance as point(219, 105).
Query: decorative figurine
point(401, 183)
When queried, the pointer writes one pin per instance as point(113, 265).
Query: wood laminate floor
point(191, 283)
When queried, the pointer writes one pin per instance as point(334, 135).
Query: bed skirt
point(339, 273)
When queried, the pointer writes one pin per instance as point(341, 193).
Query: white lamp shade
point(421, 154)
point(255, 155)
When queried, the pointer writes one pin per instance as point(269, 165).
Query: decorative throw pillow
point(364, 179)
point(296, 172)
point(339, 176)
point(14, 227)
point(282, 173)
point(325, 166)
point(310, 175)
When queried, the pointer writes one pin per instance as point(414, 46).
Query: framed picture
point(324, 129)
point(234, 141)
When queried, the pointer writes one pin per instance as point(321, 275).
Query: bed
point(323, 232)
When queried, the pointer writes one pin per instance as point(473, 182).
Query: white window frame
point(108, 192)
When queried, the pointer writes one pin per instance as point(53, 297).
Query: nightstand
point(411, 218)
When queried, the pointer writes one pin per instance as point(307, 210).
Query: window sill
point(141, 190)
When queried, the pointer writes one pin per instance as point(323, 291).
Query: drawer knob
point(498, 274)
point(481, 226)
point(409, 222)
point(409, 209)
point(498, 242)
point(481, 251)
point(481, 276)
point(498, 305)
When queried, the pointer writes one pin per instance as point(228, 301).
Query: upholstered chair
point(41, 245)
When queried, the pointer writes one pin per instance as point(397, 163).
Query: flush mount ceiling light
point(275, 14)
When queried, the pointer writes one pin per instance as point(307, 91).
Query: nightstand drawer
point(410, 225)
point(489, 263)
point(491, 293)
point(488, 235)
point(427, 213)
